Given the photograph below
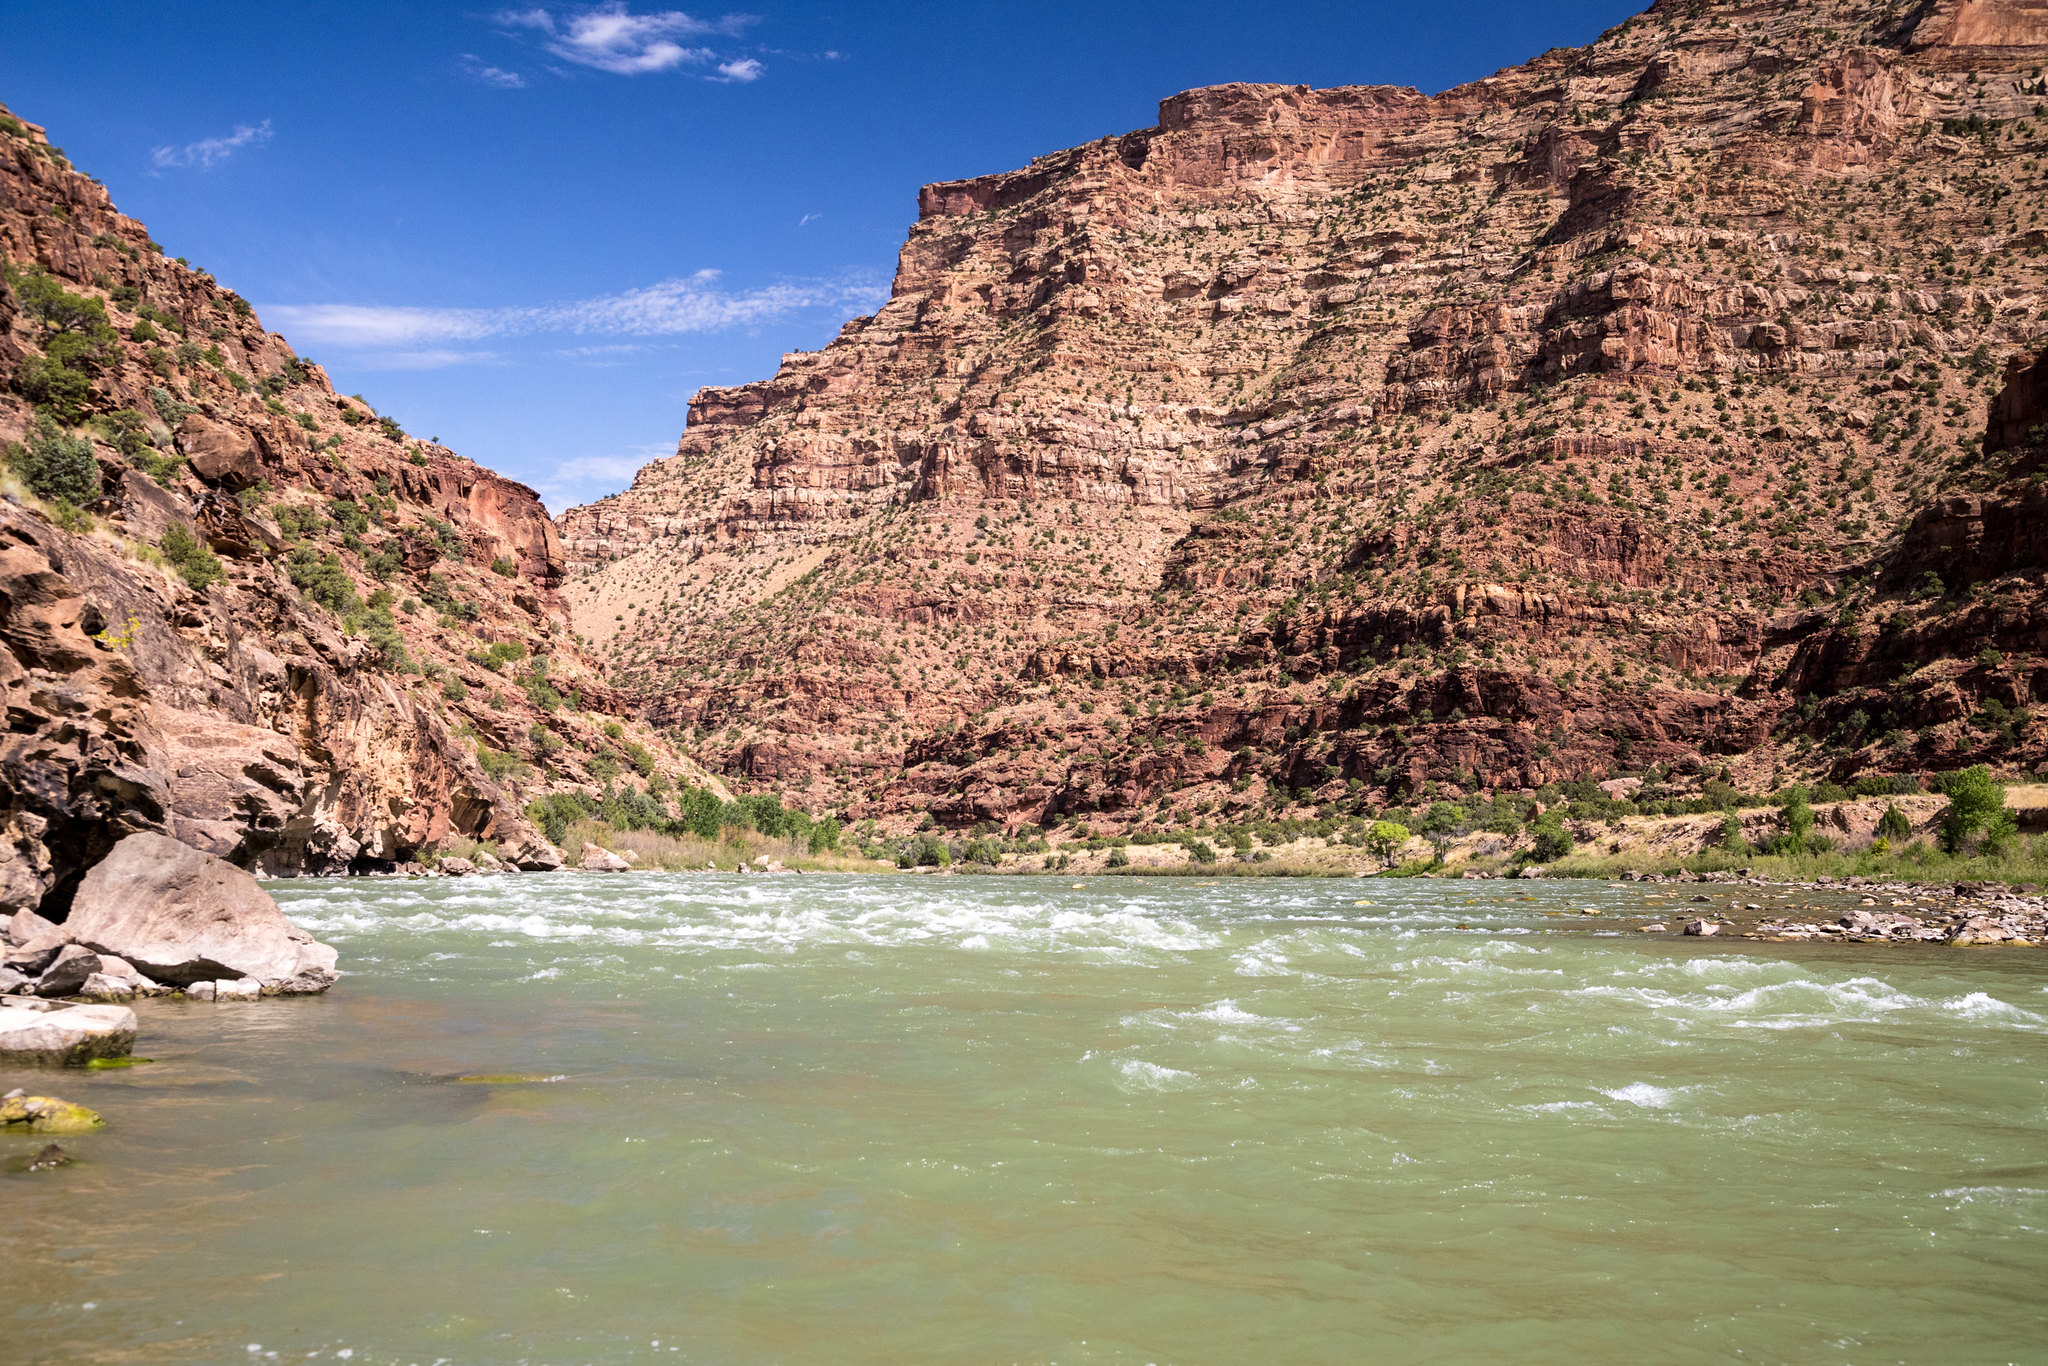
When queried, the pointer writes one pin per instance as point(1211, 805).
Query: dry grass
point(686, 853)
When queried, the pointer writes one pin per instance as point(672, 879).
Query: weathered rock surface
point(46, 1115)
point(381, 642)
point(183, 916)
point(73, 1035)
point(1314, 447)
point(599, 860)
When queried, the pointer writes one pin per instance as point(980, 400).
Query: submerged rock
point(73, 1035)
point(49, 1159)
point(182, 916)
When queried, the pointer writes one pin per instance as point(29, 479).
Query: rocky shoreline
point(157, 916)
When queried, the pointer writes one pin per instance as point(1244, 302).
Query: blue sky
point(534, 232)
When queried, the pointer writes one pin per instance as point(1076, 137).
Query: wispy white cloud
point(691, 303)
point(612, 38)
point(740, 72)
point(585, 478)
point(473, 67)
point(208, 152)
point(430, 359)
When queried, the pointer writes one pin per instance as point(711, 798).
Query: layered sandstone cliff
point(245, 611)
point(1326, 445)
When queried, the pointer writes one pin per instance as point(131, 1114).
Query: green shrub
point(1976, 805)
point(1552, 840)
point(322, 579)
point(1731, 835)
point(39, 295)
point(554, 813)
point(374, 623)
point(197, 565)
point(1893, 824)
point(498, 653)
point(296, 522)
point(640, 757)
point(54, 465)
point(504, 568)
point(498, 765)
point(441, 597)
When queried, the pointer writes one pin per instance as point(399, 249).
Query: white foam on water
point(1152, 1077)
point(1991, 1195)
point(1980, 1006)
point(1644, 1095)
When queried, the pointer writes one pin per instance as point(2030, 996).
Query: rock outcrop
point(246, 612)
point(1326, 447)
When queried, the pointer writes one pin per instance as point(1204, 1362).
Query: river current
point(834, 1119)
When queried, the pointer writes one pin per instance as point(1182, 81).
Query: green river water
point(658, 1118)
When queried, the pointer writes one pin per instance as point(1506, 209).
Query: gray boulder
point(533, 855)
point(77, 1034)
point(68, 970)
point(25, 925)
point(101, 987)
point(180, 916)
point(600, 860)
point(33, 956)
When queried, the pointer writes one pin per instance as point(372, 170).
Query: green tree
point(1976, 804)
point(1893, 825)
point(1552, 840)
point(1385, 839)
point(1731, 834)
point(1441, 822)
point(1795, 814)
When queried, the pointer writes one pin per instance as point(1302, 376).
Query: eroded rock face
point(1313, 447)
point(326, 702)
point(182, 916)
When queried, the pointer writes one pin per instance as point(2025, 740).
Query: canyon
point(1666, 407)
point(258, 618)
point(1314, 450)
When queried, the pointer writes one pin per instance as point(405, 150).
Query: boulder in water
point(74, 1035)
point(46, 1115)
point(533, 856)
point(183, 916)
point(599, 860)
point(458, 867)
point(1701, 928)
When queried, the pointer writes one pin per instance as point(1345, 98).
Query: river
point(698, 1118)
